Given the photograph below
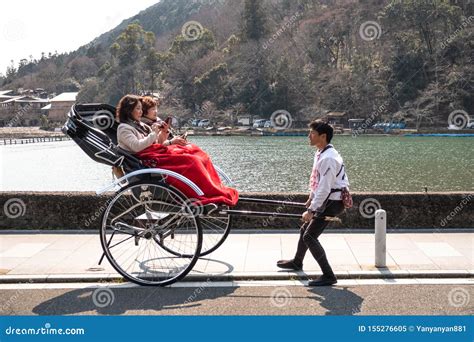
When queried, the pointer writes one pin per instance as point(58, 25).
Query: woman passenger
point(151, 145)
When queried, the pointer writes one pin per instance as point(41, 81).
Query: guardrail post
point(380, 238)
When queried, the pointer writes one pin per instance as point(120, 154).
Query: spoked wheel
point(215, 229)
point(141, 225)
point(215, 226)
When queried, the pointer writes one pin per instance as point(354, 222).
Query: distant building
point(244, 120)
point(60, 106)
point(23, 110)
point(6, 95)
point(156, 95)
point(337, 118)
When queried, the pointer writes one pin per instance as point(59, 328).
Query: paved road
point(263, 298)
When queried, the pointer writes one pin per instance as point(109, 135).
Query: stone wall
point(83, 210)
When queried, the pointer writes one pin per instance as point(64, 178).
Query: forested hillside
point(409, 59)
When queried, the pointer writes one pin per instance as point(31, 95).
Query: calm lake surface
point(262, 164)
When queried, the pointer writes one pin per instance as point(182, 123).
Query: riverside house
point(59, 106)
point(21, 110)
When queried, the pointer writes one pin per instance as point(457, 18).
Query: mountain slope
point(160, 18)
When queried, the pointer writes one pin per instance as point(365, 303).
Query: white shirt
point(328, 166)
point(130, 139)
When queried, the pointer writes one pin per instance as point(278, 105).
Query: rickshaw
point(150, 232)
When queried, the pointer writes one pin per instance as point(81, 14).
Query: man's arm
point(327, 178)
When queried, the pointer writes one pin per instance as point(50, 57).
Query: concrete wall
point(83, 210)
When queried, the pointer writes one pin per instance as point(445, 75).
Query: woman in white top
point(150, 144)
point(133, 135)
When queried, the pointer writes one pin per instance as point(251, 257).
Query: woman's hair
point(322, 128)
point(149, 102)
point(125, 107)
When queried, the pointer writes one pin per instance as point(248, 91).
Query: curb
point(115, 278)
point(330, 230)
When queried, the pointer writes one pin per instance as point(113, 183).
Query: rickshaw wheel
point(140, 215)
point(215, 226)
point(215, 229)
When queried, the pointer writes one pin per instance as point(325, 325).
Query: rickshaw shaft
point(258, 213)
point(261, 200)
point(270, 214)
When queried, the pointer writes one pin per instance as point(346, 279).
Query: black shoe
point(324, 280)
point(290, 264)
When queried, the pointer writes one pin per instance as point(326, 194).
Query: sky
point(30, 27)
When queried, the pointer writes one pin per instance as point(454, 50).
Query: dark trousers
point(310, 232)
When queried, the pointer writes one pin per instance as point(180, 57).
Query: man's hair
point(322, 128)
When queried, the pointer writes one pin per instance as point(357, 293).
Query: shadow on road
point(337, 300)
point(117, 299)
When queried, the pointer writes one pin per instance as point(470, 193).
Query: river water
point(260, 164)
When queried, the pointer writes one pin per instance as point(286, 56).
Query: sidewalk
point(40, 257)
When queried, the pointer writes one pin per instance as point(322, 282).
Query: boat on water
point(439, 135)
point(283, 134)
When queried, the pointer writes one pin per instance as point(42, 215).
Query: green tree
point(90, 91)
point(253, 21)
point(209, 86)
point(129, 52)
point(44, 122)
point(153, 65)
point(11, 72)
point(180, 66)
point(428, 19)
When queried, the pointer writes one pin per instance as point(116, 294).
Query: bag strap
point(342, 166)
point(325, 149)
point(344, 175)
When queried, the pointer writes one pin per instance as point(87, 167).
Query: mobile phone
point(184, 135)
point(169, 120)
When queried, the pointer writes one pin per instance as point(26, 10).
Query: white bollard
point(380, 238)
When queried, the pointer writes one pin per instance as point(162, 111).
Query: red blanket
point(194, 164)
